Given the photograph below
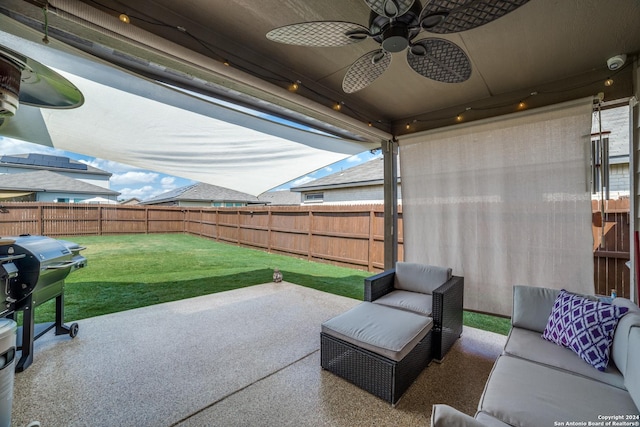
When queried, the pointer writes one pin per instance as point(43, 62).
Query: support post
point(390, 159)
point(634, 164)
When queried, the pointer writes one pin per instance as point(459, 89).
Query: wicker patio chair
point(424, 289)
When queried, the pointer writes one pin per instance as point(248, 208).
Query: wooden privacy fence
point(345, 235)
point(64, 219)
point(610, 257)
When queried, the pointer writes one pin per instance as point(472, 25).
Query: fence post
point(99, 220)
point(372, 218)
point(238, 226)
point(310, 234)
point(217, 225)
point(269, 229)
point(40, 220)
point(146, 220)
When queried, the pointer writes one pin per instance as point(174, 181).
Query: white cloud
point(328, 169)
point(168, 181)
point(13, 146)
point(109, 165)
point(129, 178)
point(354, 159)
point(303, 180)
point(141, 193)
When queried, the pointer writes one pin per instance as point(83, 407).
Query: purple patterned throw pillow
point(584, 326)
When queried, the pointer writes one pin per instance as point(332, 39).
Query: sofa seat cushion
point(383, 330)
point(415, 277)
point(530, 345)
point(527, 394)
point(407, 300)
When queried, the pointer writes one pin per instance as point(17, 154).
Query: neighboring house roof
point(47, 181)
point(202, 192)
point(285, 197)
point(49, 162)
point(368, 173)
point(131, 201)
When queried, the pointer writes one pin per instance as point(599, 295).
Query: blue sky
point(143, 184)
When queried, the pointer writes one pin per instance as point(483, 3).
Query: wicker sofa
point(538, 383)
point(383, 344)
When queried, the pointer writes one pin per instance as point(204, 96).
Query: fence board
point(610, 258)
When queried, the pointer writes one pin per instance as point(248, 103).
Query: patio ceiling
point(555, 49)
point(545, 52)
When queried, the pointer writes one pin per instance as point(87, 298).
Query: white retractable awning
point(136, 121)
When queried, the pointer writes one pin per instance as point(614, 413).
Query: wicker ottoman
point(378, 348)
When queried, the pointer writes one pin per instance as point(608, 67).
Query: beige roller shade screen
point(503, 202)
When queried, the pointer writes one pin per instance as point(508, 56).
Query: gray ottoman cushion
point(387, 331)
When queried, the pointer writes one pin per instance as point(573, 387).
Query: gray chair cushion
point(383, 330)
point(407, 300)
point(420, 277)
point(528, 394)
point(530, 345)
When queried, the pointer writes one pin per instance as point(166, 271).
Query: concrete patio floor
point(247, 357)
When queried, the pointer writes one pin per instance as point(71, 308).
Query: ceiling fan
point(394, 24)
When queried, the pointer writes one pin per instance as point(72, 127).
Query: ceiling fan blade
point(365, 70)
point(440, 60)
point(320, 33)
point(453, 16)
point(390, 8)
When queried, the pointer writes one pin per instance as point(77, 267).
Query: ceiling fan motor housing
point(395, 38)
point(10, 75)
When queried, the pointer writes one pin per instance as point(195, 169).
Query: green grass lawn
point(131, 271)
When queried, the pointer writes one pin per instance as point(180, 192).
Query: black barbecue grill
point(32, 271)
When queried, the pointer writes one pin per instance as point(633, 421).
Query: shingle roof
point(51, 182)
point(48, 162)
point(368, 173)
point(203, 192)
point(276, 198)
